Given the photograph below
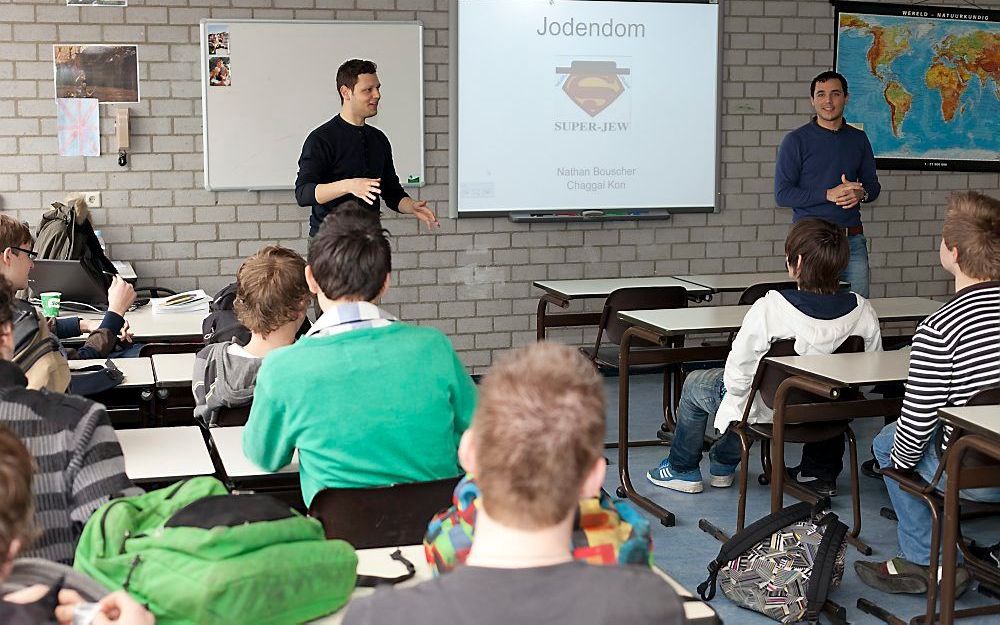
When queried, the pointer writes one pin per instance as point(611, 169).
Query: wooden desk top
point(229, 445)
point(855, 369)
point(707, 319)
point(984, 420)
point(173, 369)
point(602, 287)
point(378, 562)
point(161, 454)
point(138, 371)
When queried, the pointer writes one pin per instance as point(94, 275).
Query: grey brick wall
point(472, 278)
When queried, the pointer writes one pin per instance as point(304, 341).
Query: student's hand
point(420, 210)
point(117, 608)
point(29, 594)
point(68, 599)
point(89, 325)
point(365, 189)
point(120, 296)
point(125, 336)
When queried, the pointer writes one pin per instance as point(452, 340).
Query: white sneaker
point(722, 481)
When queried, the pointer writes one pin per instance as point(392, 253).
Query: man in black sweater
point(345, 157)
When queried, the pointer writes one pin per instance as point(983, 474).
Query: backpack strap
point(371, 581)
point(750, 536)
point(822, 576)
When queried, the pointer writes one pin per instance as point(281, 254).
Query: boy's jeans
point(700, 399)
point(914, 529)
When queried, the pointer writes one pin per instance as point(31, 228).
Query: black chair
point(911, 482)
point(384, 516)
point(787, 407)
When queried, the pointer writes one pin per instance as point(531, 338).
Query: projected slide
point(570, 105)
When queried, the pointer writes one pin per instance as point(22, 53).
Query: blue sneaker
point(683, 481)
point(722, 475)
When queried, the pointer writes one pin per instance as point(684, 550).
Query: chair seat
point(802, 432)
point(607, 359)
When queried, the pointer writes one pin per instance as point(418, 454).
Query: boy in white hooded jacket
point(818, 317)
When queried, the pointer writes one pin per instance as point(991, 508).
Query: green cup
point(50, 303)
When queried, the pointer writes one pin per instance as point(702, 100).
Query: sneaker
point(900, 576)
point(721, 476)
point(667, 477)
point(824, 488)
point(871, 469)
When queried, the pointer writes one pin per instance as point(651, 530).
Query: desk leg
point(949, 539)
point(626, 489)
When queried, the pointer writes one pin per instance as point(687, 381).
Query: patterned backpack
point(604, 532)
point(784, 565)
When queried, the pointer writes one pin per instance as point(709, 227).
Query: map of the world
point(923, 87)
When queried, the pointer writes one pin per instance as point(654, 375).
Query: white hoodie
point(773, 318)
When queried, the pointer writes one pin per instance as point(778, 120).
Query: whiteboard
point(283, 85)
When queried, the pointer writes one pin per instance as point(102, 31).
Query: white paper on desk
point(189, 301)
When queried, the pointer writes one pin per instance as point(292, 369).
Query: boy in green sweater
point(365, 399)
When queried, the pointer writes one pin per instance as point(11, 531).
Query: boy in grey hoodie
point(271, 300)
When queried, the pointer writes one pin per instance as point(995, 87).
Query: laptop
point(69, 278)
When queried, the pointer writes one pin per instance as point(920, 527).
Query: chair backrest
point(985, 397)
point(384, 516)
point(636, 298)
point(756, 291)
point(769, 378)
point(231, 417)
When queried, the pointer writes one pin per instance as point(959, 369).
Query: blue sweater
point(811, 160)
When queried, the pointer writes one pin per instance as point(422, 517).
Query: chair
point(230, 417)
point(754, 292)
point(383, 516)
point(911, 482)
point(789, 404)
point(151, 349)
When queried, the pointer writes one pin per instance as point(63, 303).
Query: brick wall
point(472, 278)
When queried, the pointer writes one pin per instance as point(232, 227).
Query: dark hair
point(824, 251)
point(825, 76)
point(13, 233)
point(6, 301)
point(347, 74)
point(972, 224)
point(350, 255)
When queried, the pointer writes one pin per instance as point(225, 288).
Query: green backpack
point(197, 555)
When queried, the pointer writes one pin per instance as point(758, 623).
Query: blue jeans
point(857, 272)
point(700, 399)
point(914, 529)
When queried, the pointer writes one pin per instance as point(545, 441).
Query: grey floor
point(684, 551)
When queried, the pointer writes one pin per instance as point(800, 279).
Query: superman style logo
point(593, 85)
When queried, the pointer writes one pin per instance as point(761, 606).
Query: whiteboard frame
point(203, 64)
point(453, 62)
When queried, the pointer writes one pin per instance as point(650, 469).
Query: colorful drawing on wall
point(108, 73)
point(97, 3)
point(79, 126)
point(218, 39)
point(925, 83)
point(218, 72)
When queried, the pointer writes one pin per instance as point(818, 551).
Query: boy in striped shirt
point(956, 352)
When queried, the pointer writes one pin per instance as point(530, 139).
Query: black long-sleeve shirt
point(339, 150)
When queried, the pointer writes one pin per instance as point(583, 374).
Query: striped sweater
point(956, 352)
point(79, 461)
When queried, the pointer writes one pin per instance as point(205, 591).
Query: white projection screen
point(570, 105)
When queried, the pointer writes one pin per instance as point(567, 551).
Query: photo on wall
point(108, 73)
point(97, 3)
point(218, 39)
point(218, 72)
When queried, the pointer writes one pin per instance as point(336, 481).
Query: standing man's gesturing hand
point(365, 189)
point(420, 210)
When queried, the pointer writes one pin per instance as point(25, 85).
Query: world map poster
point(924, 83)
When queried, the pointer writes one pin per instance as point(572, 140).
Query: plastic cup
point(50, 303)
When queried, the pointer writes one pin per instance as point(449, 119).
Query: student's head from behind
point(537, 436)
point(816, 253)
point(16, 245)
point(16, 501)
point(359, 87)
point(970, 238)
point(349, 258)
point(271, 290)
point(6, 320)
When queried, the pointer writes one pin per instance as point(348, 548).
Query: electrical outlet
point(93, 199)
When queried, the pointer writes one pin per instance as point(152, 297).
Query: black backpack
point(65, 233)
point(784, 565)
point(221, 324)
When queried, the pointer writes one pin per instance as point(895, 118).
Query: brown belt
point(853, 230)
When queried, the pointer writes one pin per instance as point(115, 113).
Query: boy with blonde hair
point(535, 449)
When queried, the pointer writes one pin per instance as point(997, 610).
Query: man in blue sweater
point(826, 169)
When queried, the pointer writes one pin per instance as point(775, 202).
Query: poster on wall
point(79, 127)
point(97, 3)
point(219, 69)
point(109, 73)
point(923, 82)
